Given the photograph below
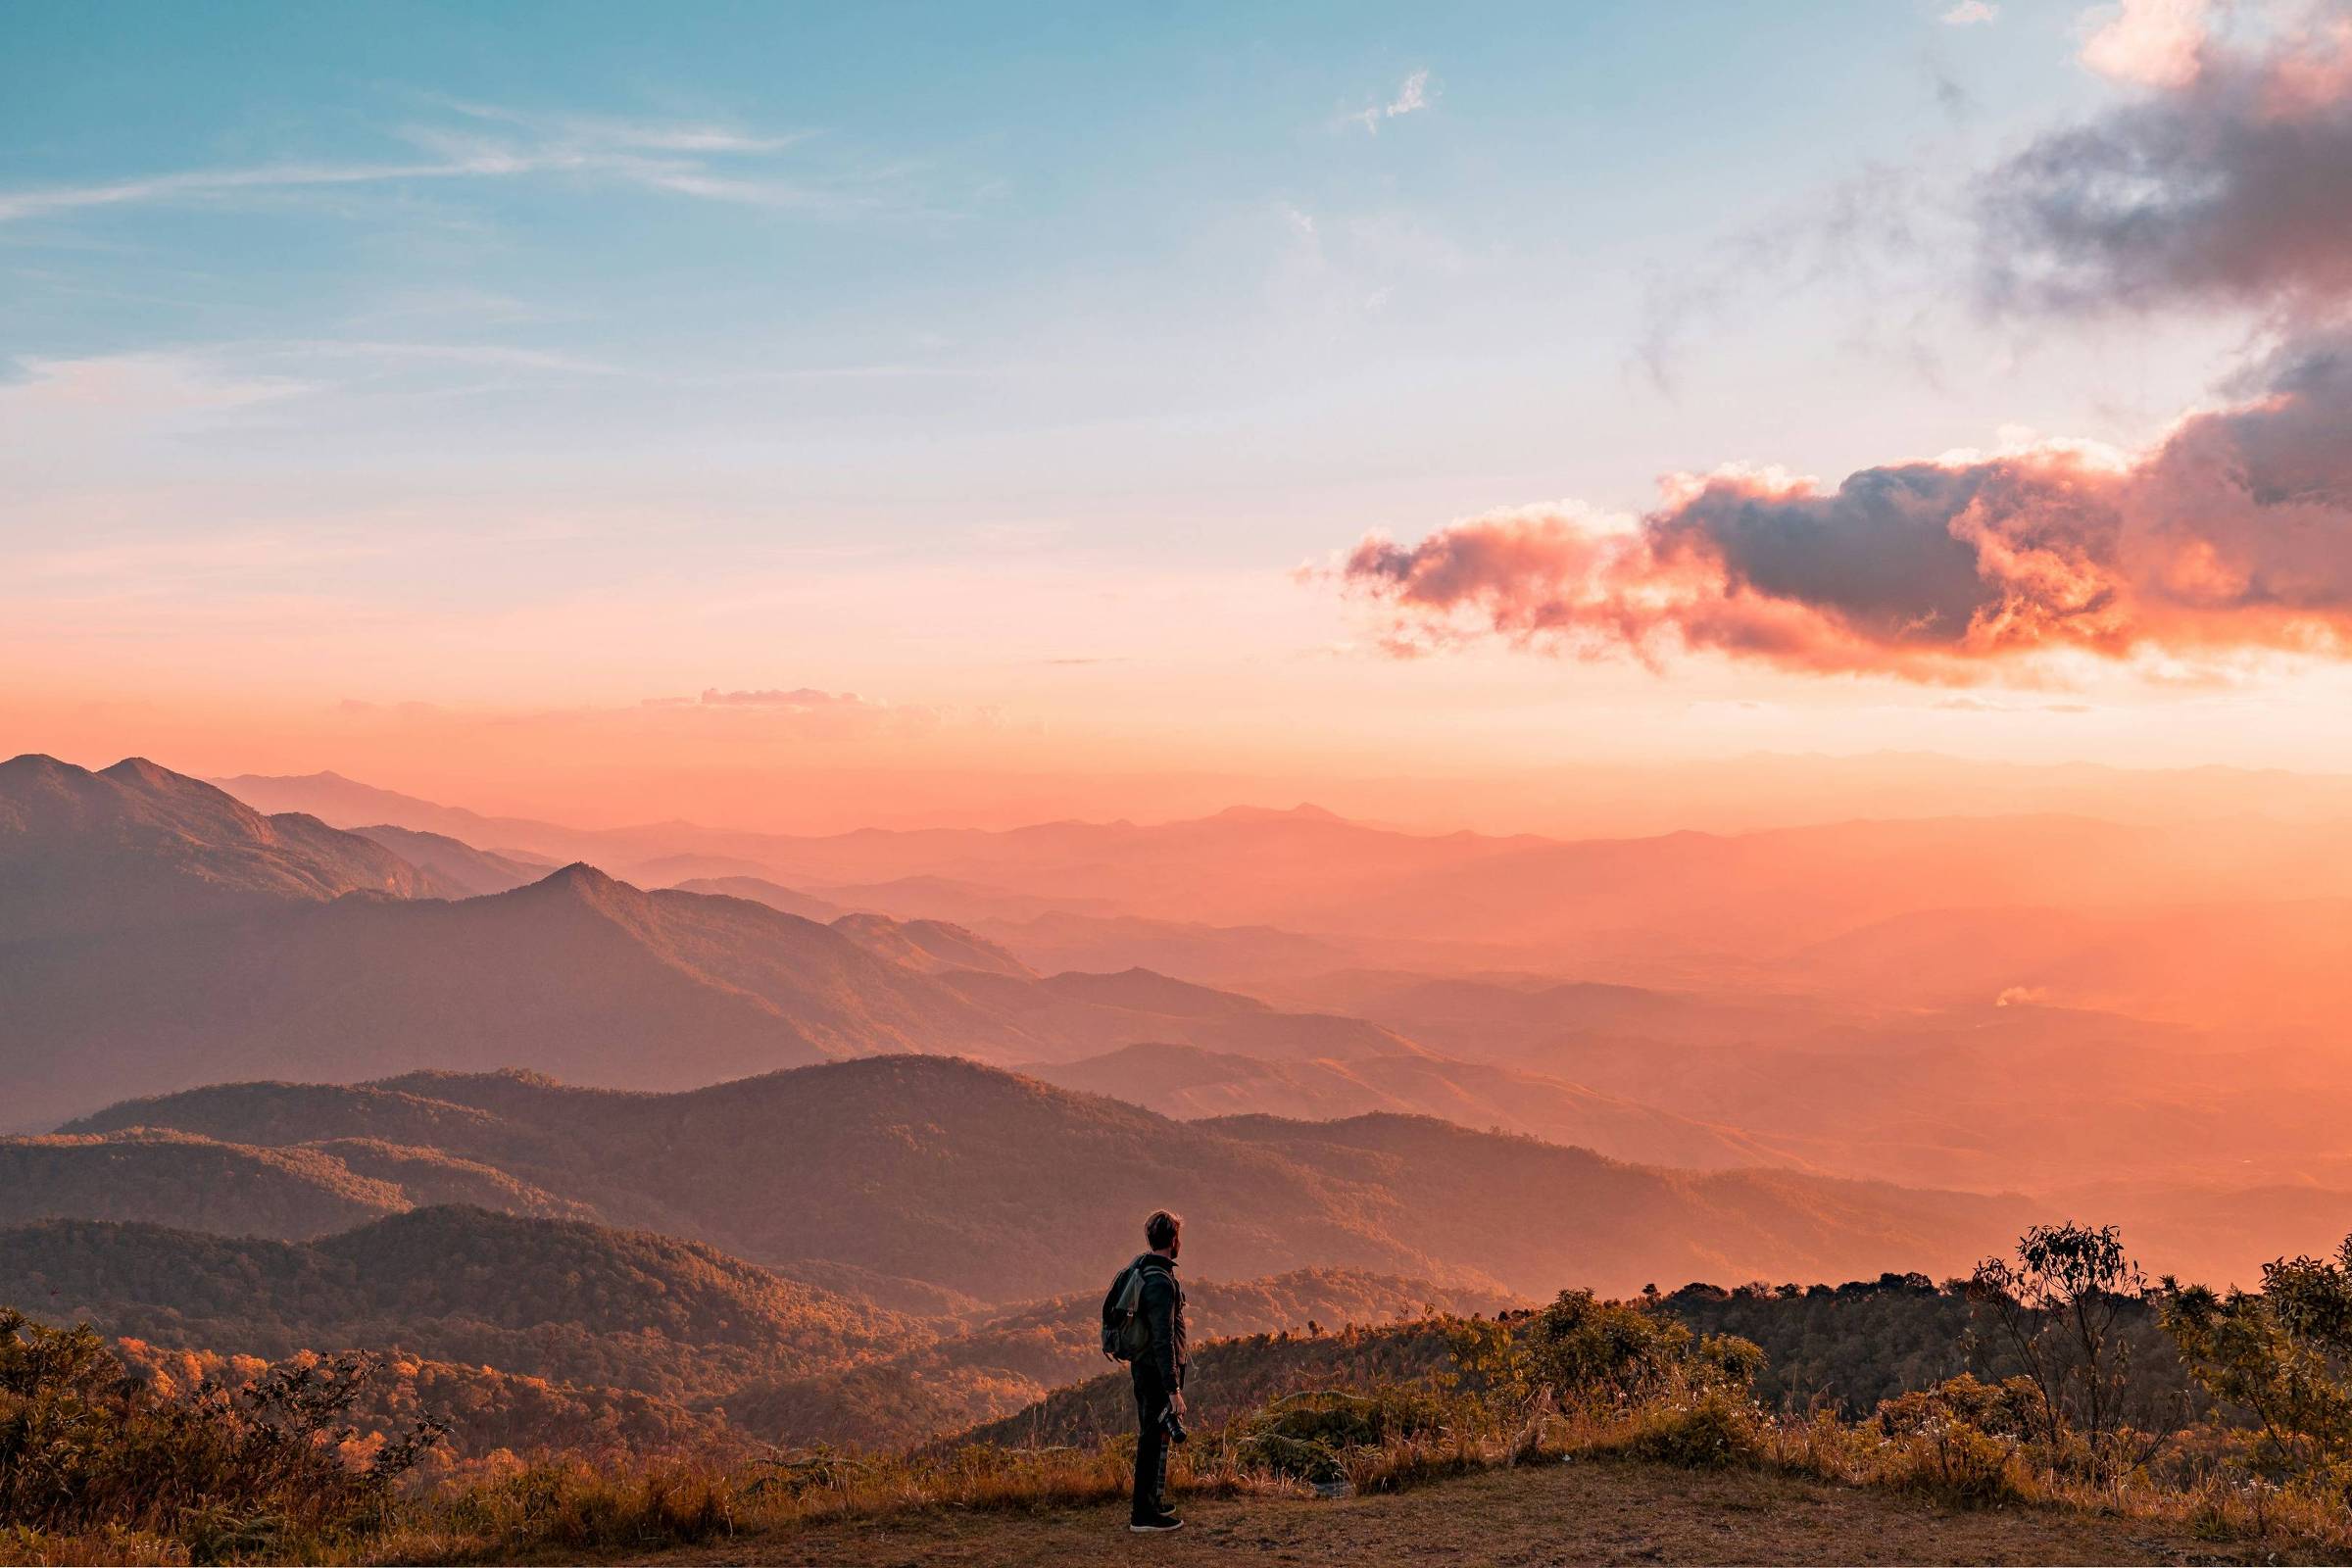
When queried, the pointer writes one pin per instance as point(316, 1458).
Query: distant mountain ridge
point(526, 1322)
point(1190, 1083)
point(247, 953)
point(1006, 1189)
point(136, 845)
point(457, 866)
point(2147, 916)
point(552, 1298)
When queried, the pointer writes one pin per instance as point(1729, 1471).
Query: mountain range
point(164, 935)
point(161, 935)
point(2223, 916)
point(1000, 1188)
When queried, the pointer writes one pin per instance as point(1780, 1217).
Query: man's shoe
point(1156, 1525)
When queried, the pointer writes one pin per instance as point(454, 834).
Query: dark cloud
point(2233, 185)
point(2235, 532)
point(2227, 181)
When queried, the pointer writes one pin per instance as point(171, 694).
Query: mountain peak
point(150, 775)
point(577, 877)
point(40, 765)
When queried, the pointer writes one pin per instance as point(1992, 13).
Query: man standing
point(1158, 1372)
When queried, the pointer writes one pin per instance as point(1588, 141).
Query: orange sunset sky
point(1331, 407)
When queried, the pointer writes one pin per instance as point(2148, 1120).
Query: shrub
point(2011, 1408)
point(1599, 1354)
point(2284, 1355)
point(2071, 1307)
point(1959, 1463)
point(1310, 1435)
point(1713, 1429)
point(85, 1450)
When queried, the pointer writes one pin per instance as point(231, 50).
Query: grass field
point(1589, 1512)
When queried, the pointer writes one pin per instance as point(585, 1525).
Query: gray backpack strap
point(1131, 1294)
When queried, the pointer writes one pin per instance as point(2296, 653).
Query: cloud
point(2158, 43)
point(1412, 96)
point(692, 159)
point(808, 712)
point(2232, 532)
point(2225, 179)
point(483, 355)
point(805, 698)
point(2230, 183)
point(1970, 14)
point(80, 402)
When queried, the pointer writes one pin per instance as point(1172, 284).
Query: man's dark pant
point(1151, 1443)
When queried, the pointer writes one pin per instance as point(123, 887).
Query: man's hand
point(1176, 1401)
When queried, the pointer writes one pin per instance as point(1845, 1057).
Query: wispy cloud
point(483, 355)
point(52, 398)
point(704, 161)
point(1970, 14)
point(1412, 96)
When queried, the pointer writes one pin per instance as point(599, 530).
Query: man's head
point(1164, 1232)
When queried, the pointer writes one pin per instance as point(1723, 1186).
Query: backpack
point(1126, 1336)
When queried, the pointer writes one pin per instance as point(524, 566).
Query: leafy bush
point(1713, 1429)
point(2011, 1408)
point(1960, 1440)
point(2284, 1355)
point(1592, 1353)
point(1310, 1435)
point(85, 1448)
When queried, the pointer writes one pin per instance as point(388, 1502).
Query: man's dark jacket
point(1157, 1373)
point(1161, 1308)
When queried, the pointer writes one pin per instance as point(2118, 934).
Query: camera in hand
point(1173, 1424)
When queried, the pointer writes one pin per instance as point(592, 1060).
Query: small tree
point(2059, 1307)
point(1584, 1351)
point(2284, 1353)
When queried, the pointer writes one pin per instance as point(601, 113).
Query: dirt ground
point(1581, 1513)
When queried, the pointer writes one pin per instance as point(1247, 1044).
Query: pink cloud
point(2235, 532)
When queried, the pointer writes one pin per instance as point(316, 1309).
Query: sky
point(791, 416)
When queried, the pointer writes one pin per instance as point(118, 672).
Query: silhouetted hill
point(1138, 1006)
point(1230, 1377)
point(1006, 1189)
point(1522, 1019)
point(1188, 1083)
point(1060, 939)
point(1677, 909)
point(350, 803)
point(1505, 1200)
point(290, 1191)
point(544, 1298)
point(1005, 1362)
point(182, 1179)
point(429, 1178)
point(281, 1114)
point(137, 845)
point(931, 945)
point(460, 869)
point(575, 973)
point(775, 896)
point(1199, 869)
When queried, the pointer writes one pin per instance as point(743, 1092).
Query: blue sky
point(372, 353)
